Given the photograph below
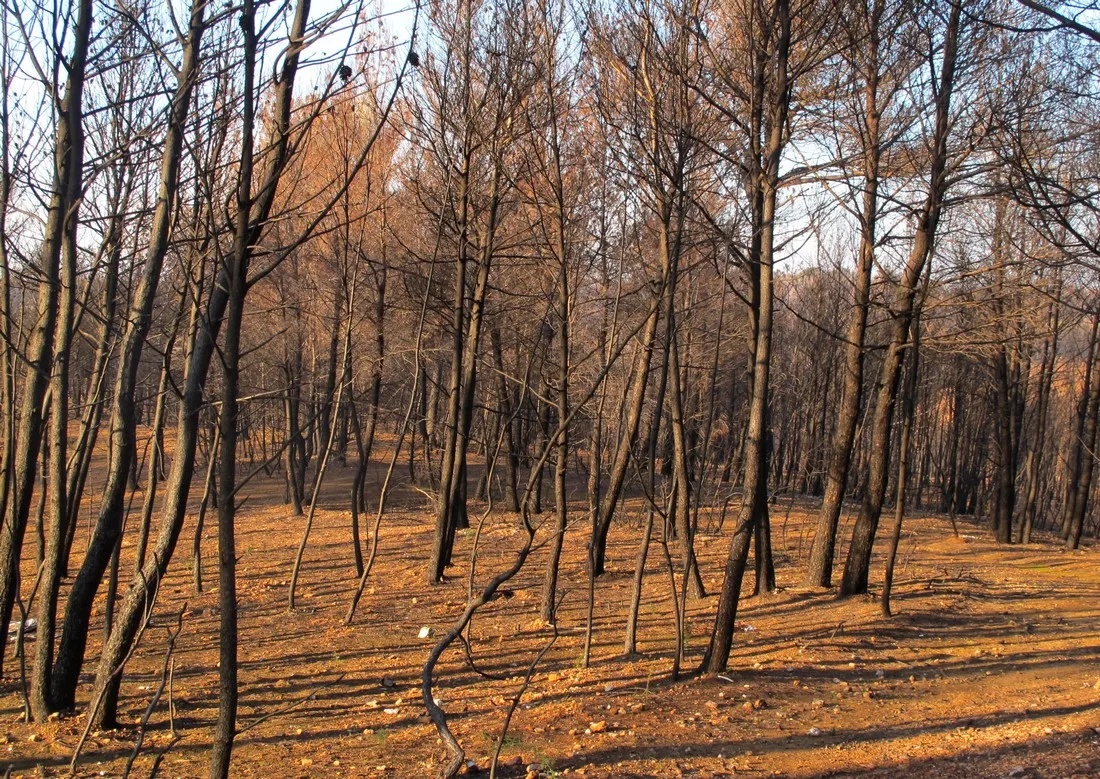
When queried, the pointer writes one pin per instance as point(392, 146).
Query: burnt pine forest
point(535, 388)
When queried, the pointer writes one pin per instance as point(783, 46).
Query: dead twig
point(93, 710)
point(291, 706)
point(473, 665)
point(519, 694)
point(164, 676)
point(172, 698)
point(159, 757)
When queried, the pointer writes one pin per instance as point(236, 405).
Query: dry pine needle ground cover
point(988, 668)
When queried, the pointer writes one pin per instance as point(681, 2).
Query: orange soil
point(988, 668)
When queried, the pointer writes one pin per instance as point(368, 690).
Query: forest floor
point(990, 666)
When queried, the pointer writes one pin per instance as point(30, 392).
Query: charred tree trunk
point(820, 568)
point(1083, 487)
point(508, 440)
point(108, 527)
point(60, 222)
point(768, 140)
point(131, 612)
point(859, 552)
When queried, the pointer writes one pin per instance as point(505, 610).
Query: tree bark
point(123, 413)
point(863, 535)
point(60, 219)
point(819, 572)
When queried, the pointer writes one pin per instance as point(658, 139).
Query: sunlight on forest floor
point(988, 667)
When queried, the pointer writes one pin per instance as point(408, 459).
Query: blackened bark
point(108, 527)
point(768, 140)
point(67, 187)
point(820, 567)
point(863, 535)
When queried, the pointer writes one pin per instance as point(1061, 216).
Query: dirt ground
point(988, 668)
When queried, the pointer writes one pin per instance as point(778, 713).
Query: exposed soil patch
point(988, 668)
